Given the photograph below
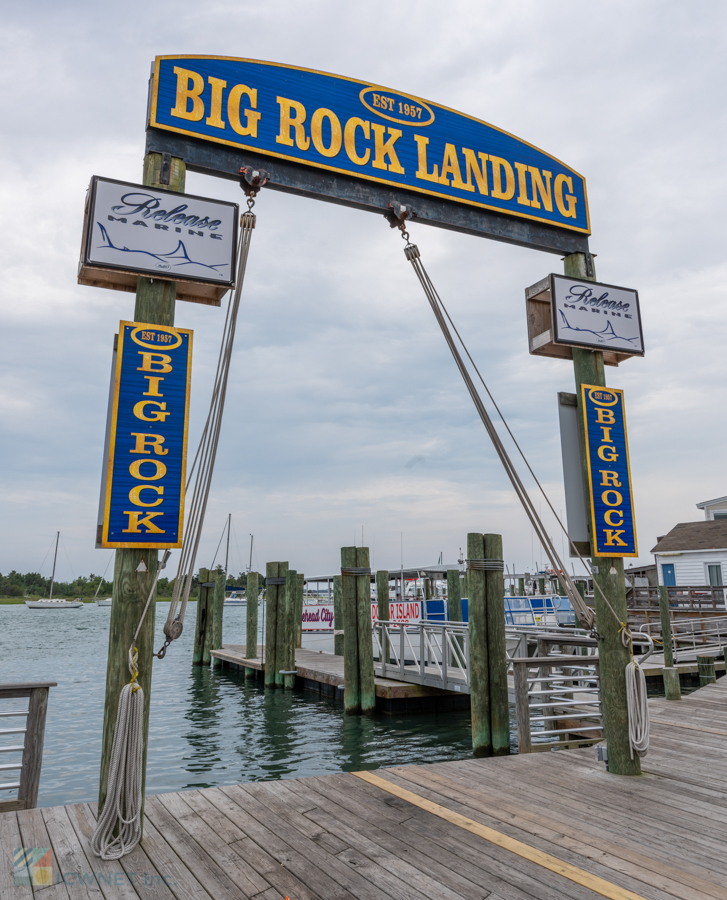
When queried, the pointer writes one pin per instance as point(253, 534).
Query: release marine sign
point(366, 131)
point(147, 461)
point(609, 474)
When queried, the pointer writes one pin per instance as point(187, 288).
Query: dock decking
point(545, 826)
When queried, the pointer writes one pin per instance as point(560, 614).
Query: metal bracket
point(165, 171)
point(590, 269)
point(397, 214)
point(252, 180)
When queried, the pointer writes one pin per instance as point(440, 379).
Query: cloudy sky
point(345, 409)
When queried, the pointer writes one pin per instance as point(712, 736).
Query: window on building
point(715, 575)
point(720, 515)
point(667, 574)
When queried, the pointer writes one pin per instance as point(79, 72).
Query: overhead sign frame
point(133, 230)
point(201, 133)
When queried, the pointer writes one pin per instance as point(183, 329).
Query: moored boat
point(106, 601)
point(53, 603)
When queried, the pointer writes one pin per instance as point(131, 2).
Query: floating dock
point(322, 673)
point(540, 826)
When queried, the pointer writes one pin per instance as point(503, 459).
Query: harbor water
point(207, 727)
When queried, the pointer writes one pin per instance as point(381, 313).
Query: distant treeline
point(32, 584)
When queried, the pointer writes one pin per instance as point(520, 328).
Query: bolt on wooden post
point(479, 658)
point(251, 594)
point(613, 656)
point(155, 303)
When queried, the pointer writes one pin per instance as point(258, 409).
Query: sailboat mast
point(55, 557)
point(227, 551)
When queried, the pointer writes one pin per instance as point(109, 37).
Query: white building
point(714, 509)
point(694, 553)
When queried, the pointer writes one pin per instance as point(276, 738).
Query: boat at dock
point(54, 603)
point(235, 598)
point(106, 601)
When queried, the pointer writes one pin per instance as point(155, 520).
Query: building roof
point(710, 502)
point(694, 536)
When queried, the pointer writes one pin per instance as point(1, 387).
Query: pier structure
point(554, 826)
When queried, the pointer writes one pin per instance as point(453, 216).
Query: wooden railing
point(681, 597)
point(31, 748)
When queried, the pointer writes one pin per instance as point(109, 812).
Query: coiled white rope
point(638, 710)
point(118, 829)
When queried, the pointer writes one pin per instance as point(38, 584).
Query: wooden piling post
point(271, 622)
point(541, 586)
point(282, 626)
point(365, 638)
point(217, 613)
point(337, 615)
point(382, 602)
point(204, 622)
point(454, 598)
point(521, 587)
point(669, 673)
point(613, 656)
point(290, 631)
point(496, 648)
point(351, 679)
point(479, 662)
point(298, 624)
point(155, 302)
point(251, 594)
point(707, 674)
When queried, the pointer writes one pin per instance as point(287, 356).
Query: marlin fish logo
point(179, 255)
point(605, 336)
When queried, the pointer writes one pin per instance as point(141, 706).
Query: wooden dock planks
point(337, 837)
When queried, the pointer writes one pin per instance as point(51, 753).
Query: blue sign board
point(609, 474)
point(147, 457)
point(365, 131)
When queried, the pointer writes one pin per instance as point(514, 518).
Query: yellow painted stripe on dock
point(539, 857)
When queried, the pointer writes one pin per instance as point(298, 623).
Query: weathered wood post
point(705, 666)
point(337, 616)
point(298, 624)
point(382, 601)
point(351, 680)
point(290, 632)
point(521, 587)
point(365, 638)
point(282, 626)
point(155, 302)
point(454, 597)
point(204, 619)
point(251, 593)
point(479, 660)
point(670, 673)
point(217, 613)
point(496, 646)
point(541, 586)
point(613, 656)
point(272, 593)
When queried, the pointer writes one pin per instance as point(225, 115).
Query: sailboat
point(51, 602)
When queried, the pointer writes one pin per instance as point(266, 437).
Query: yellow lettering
point(613, 539)
point(603, 450)
point(234, 99)
point(422, 170)
point(156, 415)
point(605, 416)
point(382, 149)
point(189, 87)
point(498, 167)
point(215, 117)
point(609, 478)
point(135, 492)
point(542, 188)
point(450, 166)
point(522, 197)
point(471, 168)
point(566, 205)
point(606, 434)
point(153, 386)
point(292, 115)
point(349, 140)
point(135, 520)
point(316, 132)
point(145, 443)
point(155, 359)
point(604, 496)
point(613, 512)
point(160, 470)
